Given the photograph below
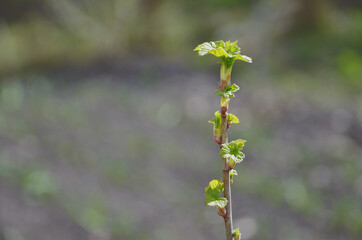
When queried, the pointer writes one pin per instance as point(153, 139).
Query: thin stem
point(229, 217)
point(226, 173)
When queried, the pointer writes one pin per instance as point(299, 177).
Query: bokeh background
point(104, 109)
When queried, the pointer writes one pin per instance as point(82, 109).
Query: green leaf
point(237, 234)
point(214, 184)
point(232, 118)
point(217, 124)
point(217, 120)
point(244, 58)
point(233, 88)
point(204, 48)
point(223, 93)
point(233, 150)
point(227, 51)
point(228, 91)
point(220, 202)
point(220, 53)
point(213, 192)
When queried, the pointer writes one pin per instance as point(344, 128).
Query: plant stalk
point(226, 172)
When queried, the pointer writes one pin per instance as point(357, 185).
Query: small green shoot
point(227, 52)
point(213, 192)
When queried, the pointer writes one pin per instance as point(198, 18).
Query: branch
point(226, 176)
point(228, 53)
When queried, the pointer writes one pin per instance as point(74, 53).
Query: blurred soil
point(124, 151)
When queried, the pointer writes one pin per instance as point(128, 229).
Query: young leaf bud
point(221, 211)
point(233, 173)
point(217, 139)
point(230, 164)
point(237, 234)
point(223, 84)
point(224, 110)
point(224, 101)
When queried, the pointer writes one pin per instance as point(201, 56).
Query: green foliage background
point(104, 109)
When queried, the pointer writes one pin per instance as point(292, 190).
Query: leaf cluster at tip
point(213, 192)
point(226, 51)
point(232, 150)
point(228, 92)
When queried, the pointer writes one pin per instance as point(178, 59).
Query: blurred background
point(104, 109)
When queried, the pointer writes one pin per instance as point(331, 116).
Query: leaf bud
point(230, 164)
point(224, 101)
point(237, 234)
point(224, 109)
point(217, 139)
point(221, 211)
point(223, 84)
